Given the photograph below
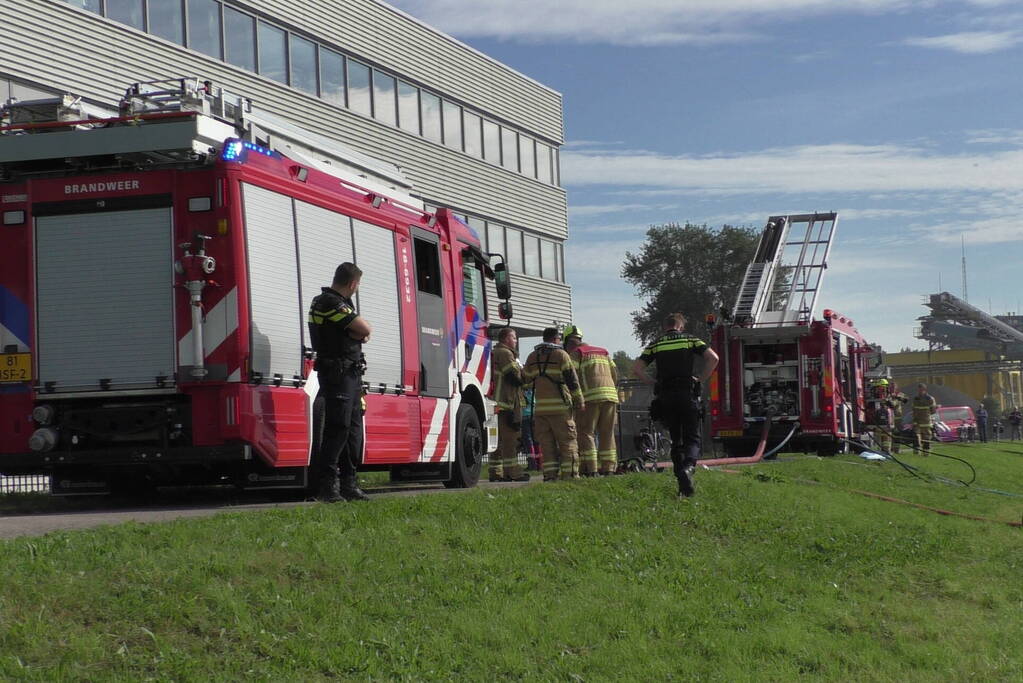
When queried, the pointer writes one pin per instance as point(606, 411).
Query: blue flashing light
point(232, 151)
point(237, 150)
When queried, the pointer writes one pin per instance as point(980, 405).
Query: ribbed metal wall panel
point(378, 301)
point(104, 299)
point(536, 303)
point(276, 310)
point(391, 38)
point(91, 56)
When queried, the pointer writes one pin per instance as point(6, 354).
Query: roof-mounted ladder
point(783, 280)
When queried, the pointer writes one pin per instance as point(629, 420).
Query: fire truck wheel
point(826, 450)
point(465, 470)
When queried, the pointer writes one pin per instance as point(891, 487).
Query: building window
point(303, 64)
point(273, 52)
point(359, 99)
point(429, 105)
point(385, 105)
point(408, 107)
point(473, 134)
point(127, 12)
point(167, 20)
point(491, 142)
point(543, 163)
point(548, 260)
point(495, 239)
point(240, 36)
point(561, 263)
point(90, 5)
point(332, 77)
point(509, 149)
point(452, 125)
point(514, 255)
point(204, 27)
point(532, 254)
point(224, 32)
point(527, 156)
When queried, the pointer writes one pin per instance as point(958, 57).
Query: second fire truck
point(786, 377)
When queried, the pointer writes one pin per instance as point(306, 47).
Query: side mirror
point(504, 310)
point(502, 281)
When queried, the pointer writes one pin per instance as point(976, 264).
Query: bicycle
point(653, 446)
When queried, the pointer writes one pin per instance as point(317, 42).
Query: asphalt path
point(172, 505)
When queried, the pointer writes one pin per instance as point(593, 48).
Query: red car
point(955, 423)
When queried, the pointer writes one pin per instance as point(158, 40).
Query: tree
point(623, 363)
point(692, 269)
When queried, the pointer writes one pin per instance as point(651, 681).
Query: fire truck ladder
point(783, 280)
point(180, 120)
point(268, 131)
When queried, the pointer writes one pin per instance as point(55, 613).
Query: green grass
point(760, 577)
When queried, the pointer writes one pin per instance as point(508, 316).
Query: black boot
point(685, 481)
point(350, 490)
point(329, 491)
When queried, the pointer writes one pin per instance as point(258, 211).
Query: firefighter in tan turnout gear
point(924, 406)
point(598, 379)
point(555, 392)
point(508, 381)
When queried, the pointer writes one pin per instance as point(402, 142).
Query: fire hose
point(759, 454)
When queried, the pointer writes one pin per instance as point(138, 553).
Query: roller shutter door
point(275, 304)
point(378, 302)
point(104, 300)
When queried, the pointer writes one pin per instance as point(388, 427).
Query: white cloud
point(640, 22)
point(970, 42)
point(996, 136)
point(580, 210)
point(835, 169)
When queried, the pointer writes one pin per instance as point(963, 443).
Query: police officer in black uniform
point(676, 392)
point(337, 334)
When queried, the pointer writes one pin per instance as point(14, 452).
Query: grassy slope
point(760, 576)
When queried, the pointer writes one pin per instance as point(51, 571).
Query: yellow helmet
point(879, 382)
point(572, 331)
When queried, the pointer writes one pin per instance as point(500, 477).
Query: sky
point(904, 116)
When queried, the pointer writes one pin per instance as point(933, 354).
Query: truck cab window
point(427, 267)
point(472, 285)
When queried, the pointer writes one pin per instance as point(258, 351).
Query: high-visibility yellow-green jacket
point(555, 383)
point(598, 377)
point(506, 375)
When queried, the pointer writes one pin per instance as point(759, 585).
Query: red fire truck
point(156, 271)
point(785, 378)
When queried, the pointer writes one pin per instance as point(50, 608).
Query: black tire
point(828, 449)
point(465, 470)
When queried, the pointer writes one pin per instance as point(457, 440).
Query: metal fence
point(28, 483)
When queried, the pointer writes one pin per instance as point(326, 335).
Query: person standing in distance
point(507, 377)
point(337, 334)
point(555, 392)
point(924, 406)
point(676, 393)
